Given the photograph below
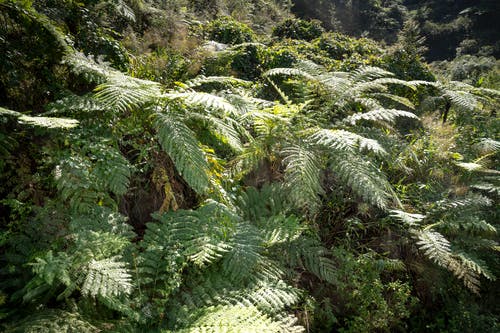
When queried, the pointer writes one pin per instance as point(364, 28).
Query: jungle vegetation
point(224, 166)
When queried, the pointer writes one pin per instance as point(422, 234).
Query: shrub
point(228, 31)
point(339, 46)
point(298, 29)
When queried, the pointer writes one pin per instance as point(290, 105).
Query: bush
point(298, 29)
point(228, 31)
point(339, 46)
point(406, 67)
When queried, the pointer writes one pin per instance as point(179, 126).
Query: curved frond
point(46, 122)
point(386, 115)
point(302, 175)
point(237, 318)
point(52, 321)
point(342, 140)
point(363, 178)
point(461, 99)
point(206, 100)
point(394, 99)
point(180, 143)
point(289, 72)
point(107, 278)
point(122, 92)
point(369, 73)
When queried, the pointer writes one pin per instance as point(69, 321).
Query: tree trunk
point(447, 108)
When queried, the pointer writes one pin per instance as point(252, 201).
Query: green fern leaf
point(434, 246)
point(289, 72)
point(206, 100)
point(46, 122)
point(180, 143)
point(302, 175)
point(122, 92)
point(53, 321)
point(363, 178)
point(385, 115)
point(342, 140)
point(106, 278)
point(238, 319)
point(368, 73)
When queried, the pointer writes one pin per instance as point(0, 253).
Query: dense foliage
point(220, 166)
point(452, 27)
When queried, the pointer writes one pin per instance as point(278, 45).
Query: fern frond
point(245, 256)
point(313, 257)
point(269, 297)
point(470, 201)
point(408, 218)
point(111, 168)
point(50, 269)
point(476, 167)
point(310, 67)
point(363, 178)
point(226, 129)
point(238, 318)
point(281, 229)
point(46, 122)
point(209, 101)
point(336, 84)
point(122, 92)
point(390, 80)
point(289, 72)
point(386, 115)
point(180, 143)
point(49, 122)
point(87, 67)
point(487, 146)
point(476, 265)
point(75, 105)
point(435, 246)
point(107, 278)
point(124, 10)
point(302, 175)
point(261, 205)
point(76, 185)
point(102, 219)
point(470, 224)
point(368, 87)
point(368, 73)
point(462, 99)
point(342, 140)
point(488, 187)
point(368, 102)
point(395, 99)
point(52, 321)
